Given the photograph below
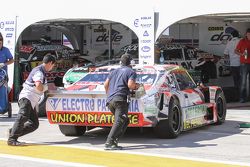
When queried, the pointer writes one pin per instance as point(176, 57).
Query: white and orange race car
point(168, 100)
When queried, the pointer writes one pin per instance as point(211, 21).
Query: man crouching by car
point(33, 89)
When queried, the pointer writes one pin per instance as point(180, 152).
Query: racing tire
point(72, 130)
point(9, 110)
point(171, 127)
point(221, 107)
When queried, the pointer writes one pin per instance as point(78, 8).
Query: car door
point(188, 92)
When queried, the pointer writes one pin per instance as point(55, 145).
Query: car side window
point(184, 81)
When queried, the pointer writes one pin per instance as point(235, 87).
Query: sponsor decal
point(9, 29)
point(145, 48)
point(89, 104)
point(54, 102)
point(50, 76)
point(194, 116)
point(136, 23)
point(129, 48)
point(145, 56)
point(195, 111)
point(100, 29)
point(192, 123)
point(9, 35)
point(26, 49)
point(145, 34)
point(1, 25)
point(221, 37)
point(146, 25)
point(146, 41)
point(9, 22)
point(115, 36)
point(146, 18)
point(90, 118)
point(215, 28)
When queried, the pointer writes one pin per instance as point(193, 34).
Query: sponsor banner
point(98, 38)
point(144, 26)
point(7, 28)
point(214, 37)
point(91, 118)
point(86, 104)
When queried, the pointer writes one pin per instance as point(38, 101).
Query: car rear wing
point(74, 92)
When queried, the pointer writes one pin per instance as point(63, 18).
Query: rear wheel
point(221, 107)
point(171, 127)
point(72, 130)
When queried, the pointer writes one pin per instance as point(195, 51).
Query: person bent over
point(33, 89)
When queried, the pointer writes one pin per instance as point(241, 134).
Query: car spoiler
point(66, 92)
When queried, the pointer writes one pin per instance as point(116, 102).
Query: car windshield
point(95, 77)
point(101, 77)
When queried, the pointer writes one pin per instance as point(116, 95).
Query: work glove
point(45, 88)
point(2, 65)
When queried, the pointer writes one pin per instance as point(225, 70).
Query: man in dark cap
point(33, 88)
point(118, 86)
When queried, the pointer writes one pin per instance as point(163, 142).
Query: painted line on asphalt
point(85, 155)
point(45, 161)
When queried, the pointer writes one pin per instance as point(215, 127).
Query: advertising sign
point(213, 38)
point(97, 38)
point(8, 30)
point(145, 31)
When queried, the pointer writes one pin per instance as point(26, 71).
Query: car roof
point(137, 67)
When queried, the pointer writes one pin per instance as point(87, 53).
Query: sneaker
point(15, 143)
point(112, 146)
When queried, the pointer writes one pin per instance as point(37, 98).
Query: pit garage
point(83, 41)
point(194, 40)
point(86, 41)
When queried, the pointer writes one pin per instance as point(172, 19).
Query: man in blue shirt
point(118, 86)
point(6, 57)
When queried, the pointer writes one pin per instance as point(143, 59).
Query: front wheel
point(171, 127)
point(72, 130)
point(220, 107)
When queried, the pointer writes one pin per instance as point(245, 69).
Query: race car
point(168, 100)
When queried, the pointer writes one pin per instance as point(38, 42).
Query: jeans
point(244, 71)
point(26, 122)
point(119, 108)
point(235, 70)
